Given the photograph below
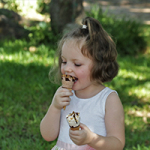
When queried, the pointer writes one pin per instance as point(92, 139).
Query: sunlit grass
point(130, 74)
point(141, 92)
point(133, 87)
point(19, 53)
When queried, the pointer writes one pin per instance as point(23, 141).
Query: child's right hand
point(61, 98)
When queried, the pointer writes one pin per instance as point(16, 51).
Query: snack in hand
point(67, 82)
point(73, 120)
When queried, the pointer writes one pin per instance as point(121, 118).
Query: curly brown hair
point(98, 46)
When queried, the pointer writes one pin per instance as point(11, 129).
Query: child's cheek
point(85, 75)
point(81, 77)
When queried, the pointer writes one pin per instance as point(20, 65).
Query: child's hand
point(61, 98)
point(81, 137)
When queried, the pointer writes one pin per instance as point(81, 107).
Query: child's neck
point(89, 92)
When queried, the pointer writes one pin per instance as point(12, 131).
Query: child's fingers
point(74, 133)
point(66, 99)
point(66, 104)
point(65, 94)
point(62, 97)
point(83, 126)
point(65, 89)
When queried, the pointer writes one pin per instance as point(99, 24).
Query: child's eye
point(63, 62)
point(77, 65)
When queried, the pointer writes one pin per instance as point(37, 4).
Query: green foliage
point(11, 5)
point(43, 6)
point(41, 33)
point(25, 93)
point(128, 34)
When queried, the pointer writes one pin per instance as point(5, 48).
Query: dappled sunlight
point(141, 91)
point(147, 22)
point(140, 10)
point(145, 114)
point(20, 53)
point(27, 58)
point(135, 122)
point(131, 74)
point(136, 75)
point(27, 9)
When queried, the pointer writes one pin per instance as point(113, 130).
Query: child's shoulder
point(113, 99)
point(108, 91)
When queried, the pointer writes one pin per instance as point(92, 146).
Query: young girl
point(88, 54)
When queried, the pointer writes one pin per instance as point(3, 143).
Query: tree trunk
point(63, 12)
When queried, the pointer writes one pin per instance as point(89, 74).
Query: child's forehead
point(75, 45)
point(71, 47)
point(75, 42)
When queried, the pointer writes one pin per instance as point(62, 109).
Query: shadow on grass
point(137, 136)
point(25, 95)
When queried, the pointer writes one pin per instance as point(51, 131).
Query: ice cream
point(73, 120)
point(67, 82)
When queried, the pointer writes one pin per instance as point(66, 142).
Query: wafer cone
point(75, 128)
point(64, 107)
point(67, 82)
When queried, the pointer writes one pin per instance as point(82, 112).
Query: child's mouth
point(76, 79)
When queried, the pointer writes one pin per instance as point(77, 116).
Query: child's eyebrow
point(74, 59)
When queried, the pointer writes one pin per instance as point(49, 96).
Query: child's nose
point(68, 68)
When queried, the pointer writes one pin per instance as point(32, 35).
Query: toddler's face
point(74, 63)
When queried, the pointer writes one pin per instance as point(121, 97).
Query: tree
point(63, 12)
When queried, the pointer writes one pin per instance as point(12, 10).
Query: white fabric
point(92, 113)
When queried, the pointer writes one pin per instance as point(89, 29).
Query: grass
point(133, 86)
point(26, 93)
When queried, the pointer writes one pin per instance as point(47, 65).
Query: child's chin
point(74, 87)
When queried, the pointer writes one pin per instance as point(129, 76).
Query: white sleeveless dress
point(92, 113)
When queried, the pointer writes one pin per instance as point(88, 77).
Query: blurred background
point(29, 32)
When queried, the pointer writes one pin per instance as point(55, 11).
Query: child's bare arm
point(114, 120)
point(50, 124)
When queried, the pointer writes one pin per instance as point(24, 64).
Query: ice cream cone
point(75, 128)
point(67, 82)
point(73, 120)
point(64, 107)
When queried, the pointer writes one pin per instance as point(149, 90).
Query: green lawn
point(26, 93)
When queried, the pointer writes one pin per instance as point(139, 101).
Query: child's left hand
point(81, 137)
